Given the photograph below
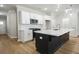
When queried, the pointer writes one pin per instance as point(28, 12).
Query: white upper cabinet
point(25, 17)
point(37, 17)
point(40, 19)
point(46, 17)
point(33, 16)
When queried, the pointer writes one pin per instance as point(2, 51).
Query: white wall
point(3, 27)
point(71, 22)
point(78, 23)
point(65, 21)
point(11, 24)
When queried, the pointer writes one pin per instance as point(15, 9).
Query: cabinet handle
point(41, 38)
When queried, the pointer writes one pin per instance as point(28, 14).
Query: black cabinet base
point(49, 44)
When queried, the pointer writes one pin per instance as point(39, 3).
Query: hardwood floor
point(70, 47)
point(11, 46)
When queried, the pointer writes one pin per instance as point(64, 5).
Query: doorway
point(3, 24)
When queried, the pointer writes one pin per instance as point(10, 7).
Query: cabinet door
point(20, 35)
point(25, 17)
point(33, 15)
point(46, 17)
point(41, 43)
point(40, 19)
point(28, 35)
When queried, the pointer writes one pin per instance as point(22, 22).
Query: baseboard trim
point(12, 36)
point(3, 34)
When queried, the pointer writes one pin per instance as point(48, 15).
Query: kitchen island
point(49, 41)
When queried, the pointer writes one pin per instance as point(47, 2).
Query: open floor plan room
point(39, 28)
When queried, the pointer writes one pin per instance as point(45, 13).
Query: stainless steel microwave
point(33, 21)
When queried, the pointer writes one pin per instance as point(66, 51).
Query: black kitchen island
point(49, 41)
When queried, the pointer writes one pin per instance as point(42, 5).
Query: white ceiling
point(53, 7)
point(40, 7)
point(7, 7)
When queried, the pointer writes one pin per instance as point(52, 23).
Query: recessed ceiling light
point(65, 19)
point(1, 5)
point(45, 9)
point(70, 14)
point(56, 10)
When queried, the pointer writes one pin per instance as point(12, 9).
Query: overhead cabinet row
point(31, 18)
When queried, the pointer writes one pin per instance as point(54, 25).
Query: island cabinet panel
point(47, 44)
point(56, 42)
point(42, 43)
point(53, 44)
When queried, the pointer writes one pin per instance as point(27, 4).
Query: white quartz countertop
point(54, 32)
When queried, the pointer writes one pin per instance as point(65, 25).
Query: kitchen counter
point(54, 32)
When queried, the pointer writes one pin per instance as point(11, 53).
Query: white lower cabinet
point(25, 35)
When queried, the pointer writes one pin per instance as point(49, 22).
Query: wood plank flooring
point(11, 46)
point(70, 47)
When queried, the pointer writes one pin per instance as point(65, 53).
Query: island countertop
point(54, 32)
